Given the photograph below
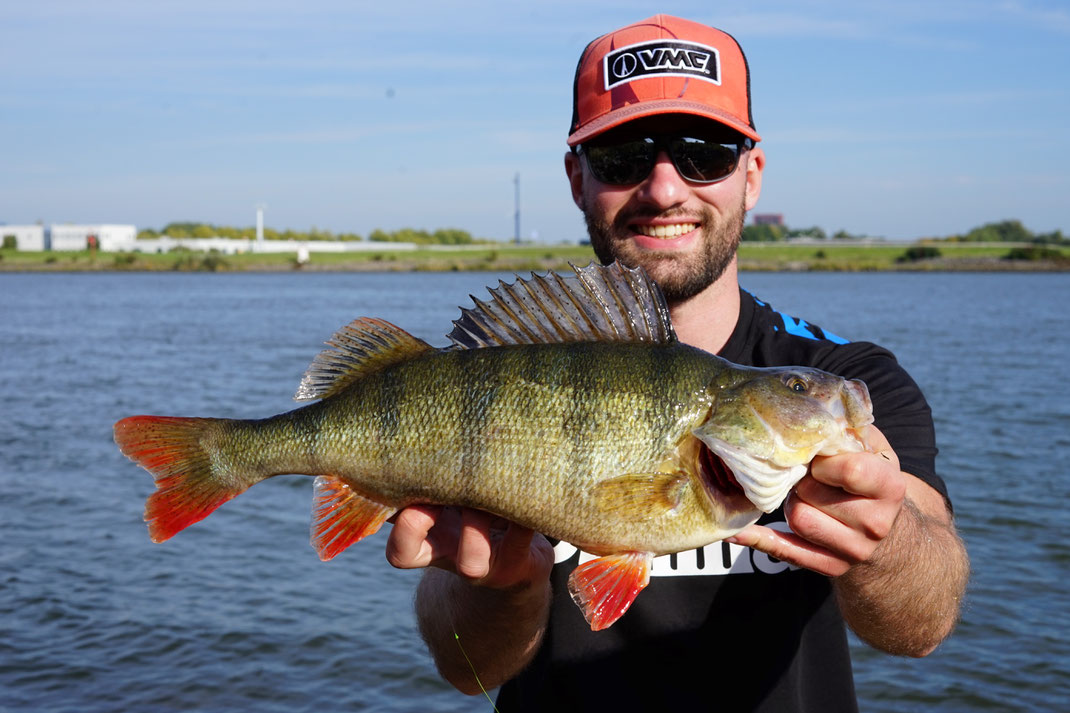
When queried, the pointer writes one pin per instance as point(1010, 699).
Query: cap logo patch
point(671, 58)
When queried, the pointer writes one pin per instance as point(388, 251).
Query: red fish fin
point(342, 516)
point(187, 488)
point(604, 588)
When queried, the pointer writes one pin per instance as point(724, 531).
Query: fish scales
point(520, 409)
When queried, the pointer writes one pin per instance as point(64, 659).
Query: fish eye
point(796, 384)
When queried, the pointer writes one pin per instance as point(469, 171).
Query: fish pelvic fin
point(188, 488)
point(342, 516)
point(597, 303)
point(362, 347)
point(605, 587)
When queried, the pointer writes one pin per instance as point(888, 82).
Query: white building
point(108, 238)
point(27, 237)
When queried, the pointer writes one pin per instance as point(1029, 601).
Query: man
point(664, 167)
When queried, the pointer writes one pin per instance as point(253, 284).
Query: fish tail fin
point(188, 487)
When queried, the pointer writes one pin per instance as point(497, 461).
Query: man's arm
point(905, 599)
point(886, 537)
point(483, 602)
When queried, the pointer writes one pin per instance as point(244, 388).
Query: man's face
point(684, 234)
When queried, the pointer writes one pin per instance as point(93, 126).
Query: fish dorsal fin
point(598, 303)
point(362, 347)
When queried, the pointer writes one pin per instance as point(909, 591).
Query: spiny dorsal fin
point(599, 303)
point(362, 347)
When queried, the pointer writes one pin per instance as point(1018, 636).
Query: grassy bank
point(753, 256)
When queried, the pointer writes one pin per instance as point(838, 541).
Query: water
point(237, 613)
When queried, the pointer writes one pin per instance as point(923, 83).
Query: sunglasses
point(627, 162)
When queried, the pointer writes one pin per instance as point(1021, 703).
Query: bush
point(1033, 253)
point(918, 252)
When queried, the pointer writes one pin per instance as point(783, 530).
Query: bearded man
point(664, 164)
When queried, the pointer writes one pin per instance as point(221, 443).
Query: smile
point(665, 231)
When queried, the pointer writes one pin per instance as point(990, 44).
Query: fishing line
point(457, 638)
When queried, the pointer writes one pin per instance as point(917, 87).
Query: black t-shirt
point(726, 628)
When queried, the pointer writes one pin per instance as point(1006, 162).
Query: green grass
point(506, 257)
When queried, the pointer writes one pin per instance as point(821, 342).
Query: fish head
point(767, 424)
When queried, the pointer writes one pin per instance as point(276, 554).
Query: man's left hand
point(840, 512)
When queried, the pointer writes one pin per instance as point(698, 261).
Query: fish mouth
point(720, 483)
point(717, 473)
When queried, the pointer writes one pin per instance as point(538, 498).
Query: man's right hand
point(497, 599)
point(483, 549)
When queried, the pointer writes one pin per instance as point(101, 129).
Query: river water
point(238, 614)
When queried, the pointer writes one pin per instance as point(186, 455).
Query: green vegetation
point(918, 252)
point(773, 233)
point(1008, 231)
point(495, 257)
point(443, 236)
point(767, 248)
point(769, 256)
point(207, 230)
point(1034, 253)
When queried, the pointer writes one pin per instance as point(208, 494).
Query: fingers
point(475, 548)
point(840, 513)
point(791, 548)
point(478, 546)
point(409, 545)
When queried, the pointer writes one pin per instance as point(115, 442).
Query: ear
point(755, 166)
point(574, 170)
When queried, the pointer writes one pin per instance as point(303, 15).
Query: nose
point(664, 187)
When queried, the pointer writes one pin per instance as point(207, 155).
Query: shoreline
point(763, 257)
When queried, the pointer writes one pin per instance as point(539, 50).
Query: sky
point(896, 119)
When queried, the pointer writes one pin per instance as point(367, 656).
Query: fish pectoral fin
point(605, 587)
point(641, 496)
point(362, 347)
point(342, 516)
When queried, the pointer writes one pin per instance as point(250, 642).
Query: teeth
point(665, 231)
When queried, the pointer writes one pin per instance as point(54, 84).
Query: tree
point(763, 233)
point(1005, 231)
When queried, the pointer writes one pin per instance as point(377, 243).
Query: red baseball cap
point(661, 65)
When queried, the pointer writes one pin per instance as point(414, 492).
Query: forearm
point(906, 598)
point(480, 637)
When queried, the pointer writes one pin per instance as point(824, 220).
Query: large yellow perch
point(565, 404)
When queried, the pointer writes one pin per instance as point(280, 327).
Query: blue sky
point(899, 119)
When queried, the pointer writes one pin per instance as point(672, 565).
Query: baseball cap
point(661, 65)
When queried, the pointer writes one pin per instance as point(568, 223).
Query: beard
point(680, 276)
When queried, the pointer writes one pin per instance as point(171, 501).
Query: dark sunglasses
point(627, 162)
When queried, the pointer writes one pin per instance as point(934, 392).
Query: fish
point(563, 403)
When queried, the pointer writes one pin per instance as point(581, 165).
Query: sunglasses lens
point(629, 162)
point(703, 161)
point(624, 163)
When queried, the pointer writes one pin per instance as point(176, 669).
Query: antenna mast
point(516, 226)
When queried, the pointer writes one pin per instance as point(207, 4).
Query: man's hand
point(483, 549)
point(886, 537)
point(840, 512)
point(487, 583)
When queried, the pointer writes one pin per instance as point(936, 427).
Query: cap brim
point(651, 108)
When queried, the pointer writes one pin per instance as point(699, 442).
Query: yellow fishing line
point(474, 673)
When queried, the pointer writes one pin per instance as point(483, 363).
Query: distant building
point(25, 237)
point(768, 219)
point(108, 238)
